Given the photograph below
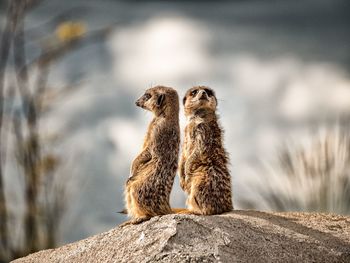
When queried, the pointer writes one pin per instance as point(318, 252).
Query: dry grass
point(314, 176)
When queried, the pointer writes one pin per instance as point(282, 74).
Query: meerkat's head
point(160, 100)
point(201, 99)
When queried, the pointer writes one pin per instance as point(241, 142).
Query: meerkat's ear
point(184, 100)
point(160, 99)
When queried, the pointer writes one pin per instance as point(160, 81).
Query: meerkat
point(153, 171)
point(203, 168)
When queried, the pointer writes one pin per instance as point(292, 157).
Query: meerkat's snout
point(202, 95)
point(141, 102)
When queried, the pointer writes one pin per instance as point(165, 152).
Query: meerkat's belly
point(210, 191)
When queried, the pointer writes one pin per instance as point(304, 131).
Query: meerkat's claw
point(124, 224)
point(135, 221)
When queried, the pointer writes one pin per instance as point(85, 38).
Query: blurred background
point(70, 72)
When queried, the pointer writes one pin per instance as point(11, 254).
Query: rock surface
point(240, 236)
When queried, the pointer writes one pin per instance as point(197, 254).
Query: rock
point(240, 236)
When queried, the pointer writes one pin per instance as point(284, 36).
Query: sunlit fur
point(153, 171)
point(204, 174)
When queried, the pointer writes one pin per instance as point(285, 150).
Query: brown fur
point(153, 171)
point(204, 174)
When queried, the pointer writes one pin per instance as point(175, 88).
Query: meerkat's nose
point(137, 103)
point(203, 95)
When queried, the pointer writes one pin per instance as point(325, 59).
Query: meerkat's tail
point(124, 211)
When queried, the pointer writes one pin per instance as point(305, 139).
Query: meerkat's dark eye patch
point(194, 92)
point(160, 99)
point(209, 92)
point(147, 96)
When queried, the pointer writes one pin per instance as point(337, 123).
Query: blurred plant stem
point(7, 37)
point(44, 191)
point(31, 153)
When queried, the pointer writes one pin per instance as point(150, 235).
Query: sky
point(280, 70)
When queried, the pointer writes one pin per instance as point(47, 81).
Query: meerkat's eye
point(147, 96)
point(209, 92)
point(194, 92)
